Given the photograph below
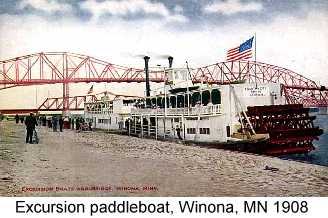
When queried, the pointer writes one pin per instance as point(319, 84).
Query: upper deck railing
point(193, 111)
point(100, 111)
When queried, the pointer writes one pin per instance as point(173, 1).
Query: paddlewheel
point(290, 128)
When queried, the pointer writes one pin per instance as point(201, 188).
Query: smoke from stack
point(170, 58)
point(146, 58)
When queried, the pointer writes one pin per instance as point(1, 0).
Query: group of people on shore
point(53, 122)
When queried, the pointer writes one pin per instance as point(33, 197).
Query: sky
point(289, 33)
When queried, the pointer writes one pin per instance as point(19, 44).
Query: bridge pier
point(65, 98)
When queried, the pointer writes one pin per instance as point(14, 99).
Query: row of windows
point(180, 101)
point(204, 131)
point(106, 121)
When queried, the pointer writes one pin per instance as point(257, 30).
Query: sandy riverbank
point(75, 160)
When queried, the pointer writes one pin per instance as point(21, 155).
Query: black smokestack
point(170, 58)
point(146, 58)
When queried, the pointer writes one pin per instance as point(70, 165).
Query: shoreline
point(99, 159)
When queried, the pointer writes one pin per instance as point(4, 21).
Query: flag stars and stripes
point(242, 52)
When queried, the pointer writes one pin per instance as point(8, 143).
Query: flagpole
point(255, 47)
point(255, 59)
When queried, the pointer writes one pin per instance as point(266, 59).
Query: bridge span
point(66, 68)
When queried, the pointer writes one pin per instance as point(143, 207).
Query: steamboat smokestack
point(146, 58)
point(170, 58)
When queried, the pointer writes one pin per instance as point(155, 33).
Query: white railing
point(198, 110)
point(103, 111)
point(194, 111)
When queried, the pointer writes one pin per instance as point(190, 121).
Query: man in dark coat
point(49, 123)
point(54, 123)
point(30, 123)
point(72, 123)
point(44, 121)
point(61, 123)
point(77, 123)
point(17, 118)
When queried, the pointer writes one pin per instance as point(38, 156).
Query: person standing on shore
point(61, 123)
point(54, 123)
point(77, 123)
point(17, 118)
point(49, 121)
point(30, 123)
point(44, 121)
point(72, 123)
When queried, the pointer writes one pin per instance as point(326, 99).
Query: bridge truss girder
point(66, 68)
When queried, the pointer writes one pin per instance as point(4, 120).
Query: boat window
point(159, 102)
point(191, 130)
point(187, 101)
point(176, 75)
point(180, 101)
point(173, 101)
point(216, 96)
point(195, 98)
point(144, 122)
point(170, 75)
point(206, 97)
point(204, 131)
point(163, 102)
point(148, 103)
point(104, 121)
point(153, 102)
point(228, 131)
point(152, 121)
point(167, 102)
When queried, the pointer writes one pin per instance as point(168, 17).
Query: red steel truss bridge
point(76, 102)
point(65, 68)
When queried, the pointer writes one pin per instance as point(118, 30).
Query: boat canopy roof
point(183, 89)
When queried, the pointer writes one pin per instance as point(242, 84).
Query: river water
point(320, 155)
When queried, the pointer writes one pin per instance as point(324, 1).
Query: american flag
point(90, 90)
point(242, 52)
